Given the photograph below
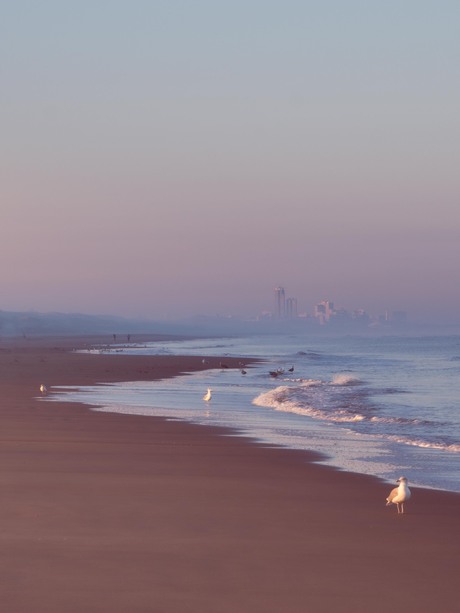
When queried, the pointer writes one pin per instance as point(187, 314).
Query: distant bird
point(273, 373)
point(243, 372)
point(399, 495)
point(223, 365)
point(43, 389)
point(291, 369)
point(204, 361)
point(208, 395)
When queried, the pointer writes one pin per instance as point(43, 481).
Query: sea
point(383, 405)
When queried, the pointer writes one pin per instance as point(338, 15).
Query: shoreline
point(115, 512)
point(337, 451)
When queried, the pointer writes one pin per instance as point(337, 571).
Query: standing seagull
point(399, 495)
point(207, 396)
point(43, 389)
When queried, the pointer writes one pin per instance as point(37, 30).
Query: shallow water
point(383, 406)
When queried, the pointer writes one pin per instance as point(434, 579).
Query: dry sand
point(114, 513)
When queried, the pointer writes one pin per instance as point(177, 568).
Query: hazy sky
point(162, 158)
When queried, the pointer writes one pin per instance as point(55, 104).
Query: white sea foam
point(344, 379)
point(399, 420)
point(453, 448)
point(279, 399)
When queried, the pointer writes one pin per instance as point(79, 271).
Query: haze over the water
point(165, 158)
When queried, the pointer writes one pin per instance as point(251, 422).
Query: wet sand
point(116, 513)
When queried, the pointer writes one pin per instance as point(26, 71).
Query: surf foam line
point(279, 400)
point(294, 399)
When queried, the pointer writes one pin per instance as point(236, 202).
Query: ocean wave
point(344, 379)
point(311, 355)
point(303, 382)
point(279, 399)
point(453, 447)
point(391, 390)
point(322, 400)
point(308, 411)
point(401, 420)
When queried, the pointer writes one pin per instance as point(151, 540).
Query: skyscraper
point(280, 302)
point(291, 308)
point(324, 311)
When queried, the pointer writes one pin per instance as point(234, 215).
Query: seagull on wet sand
point(207, 396)
point(399, 495)
point(43, 388)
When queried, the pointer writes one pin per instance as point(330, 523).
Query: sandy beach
point(116, 513)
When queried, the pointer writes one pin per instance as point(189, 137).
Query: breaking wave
point(336, 401)
point(452, 447)
point(344, 379)
point(306, 399)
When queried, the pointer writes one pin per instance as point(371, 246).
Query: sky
point(160, 159)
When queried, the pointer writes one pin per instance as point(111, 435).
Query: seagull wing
point(392, 495)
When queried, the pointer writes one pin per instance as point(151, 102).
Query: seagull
point(291, 369)
point(399, 495)
point(207, 396)
point(43, 389)
point(243, 372)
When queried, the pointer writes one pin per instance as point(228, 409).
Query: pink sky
point(162, 161)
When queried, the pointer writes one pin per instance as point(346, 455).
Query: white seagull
point(207, 396)
point(43, 388)
point(399, 495)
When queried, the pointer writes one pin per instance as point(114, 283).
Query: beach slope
point(116, 513)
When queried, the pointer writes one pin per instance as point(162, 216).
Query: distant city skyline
point(284, 307)
point(326, 311)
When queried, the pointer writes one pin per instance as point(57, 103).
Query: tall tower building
point(324, 311)
point(280, 302)
point(291, 308)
